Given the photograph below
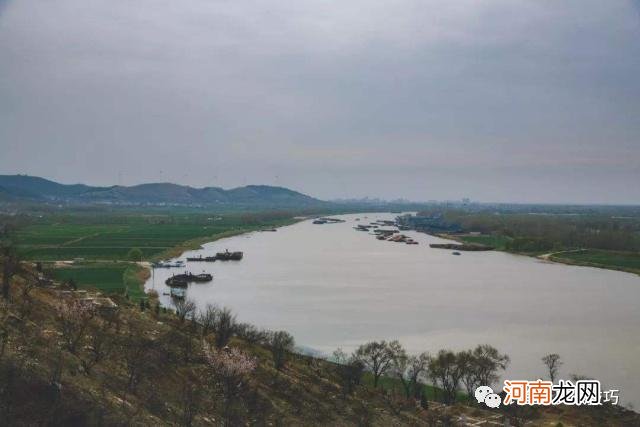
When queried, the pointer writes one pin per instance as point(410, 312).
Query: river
point(331, 286)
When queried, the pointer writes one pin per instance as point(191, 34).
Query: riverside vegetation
point(598, 236)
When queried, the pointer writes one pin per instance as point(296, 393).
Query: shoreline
point(551, 256)
point(196, 244)
point(566, 261)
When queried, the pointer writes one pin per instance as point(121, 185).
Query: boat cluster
point(326, 220)
point(220, 256)
point(179, 282)
point(388, 234)
point(400, 238)
point(183, 280)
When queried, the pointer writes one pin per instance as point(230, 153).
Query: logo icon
point(484, 394)
point(492, 400)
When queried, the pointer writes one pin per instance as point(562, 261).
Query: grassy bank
point(611, 260)
point(497, 242)
point(614, 260)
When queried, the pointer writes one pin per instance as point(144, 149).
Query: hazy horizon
point(500, 101)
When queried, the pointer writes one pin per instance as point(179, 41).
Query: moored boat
point(168, 264)
point(229, 256)
point(201, 259)
point(176, 282)
point(177, 293)
point(182, 280)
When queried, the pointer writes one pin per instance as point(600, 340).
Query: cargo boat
point(201, 259)
point(229, 256)
point(182, 280)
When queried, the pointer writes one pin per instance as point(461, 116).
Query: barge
point(201, 259)
point(229, 256)
point(182, 280)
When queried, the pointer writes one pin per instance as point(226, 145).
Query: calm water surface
point(331, 286)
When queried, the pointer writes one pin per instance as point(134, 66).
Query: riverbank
point(104, 252)
point(196, 244)
point(608, 260)
point(627, 262)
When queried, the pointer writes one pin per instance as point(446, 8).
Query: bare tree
point(553, 363)
point(207, 318)
point(224, 327)
point(469, 375)
point(74, 317)
point(481, 366)
point(378, 356)
point(251, 334)
point(408, 369)
point(280, 344)
point(489, 362)
point(416, 368)
point(398, 369)
point(350, 369)
point(446, 372)
point(185, 309)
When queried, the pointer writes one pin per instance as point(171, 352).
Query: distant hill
point(36, 189)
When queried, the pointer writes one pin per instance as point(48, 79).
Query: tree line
point(542, 232)
point(447, 370)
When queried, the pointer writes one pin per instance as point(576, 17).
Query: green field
point(494, 241)
point(110, 278)
point(71, 237)
point(100, 244)
point(628, 261)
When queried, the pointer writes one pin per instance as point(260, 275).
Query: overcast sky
point(497, 100)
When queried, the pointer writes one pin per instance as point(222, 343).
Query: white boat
point(178, 293)
point(168, 264)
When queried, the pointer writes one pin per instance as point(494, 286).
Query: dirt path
point(547, 257)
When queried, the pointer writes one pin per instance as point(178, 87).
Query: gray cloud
point(498, 100)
